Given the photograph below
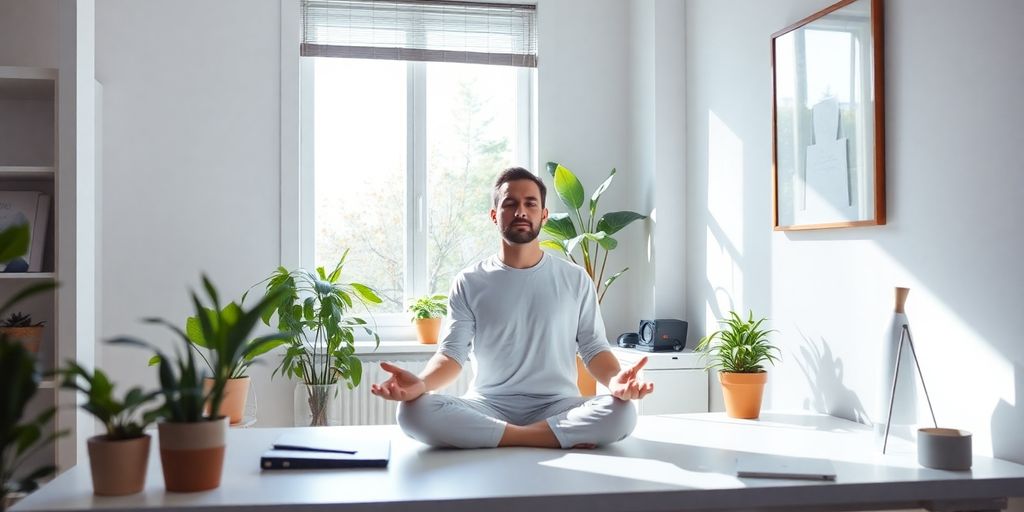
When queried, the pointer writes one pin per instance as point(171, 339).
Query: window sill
point(389, 348)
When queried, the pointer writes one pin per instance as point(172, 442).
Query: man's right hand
point(403, 385)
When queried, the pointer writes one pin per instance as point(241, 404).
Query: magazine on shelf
point(19, 207)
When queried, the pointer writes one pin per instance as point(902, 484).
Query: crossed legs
point(572, 422)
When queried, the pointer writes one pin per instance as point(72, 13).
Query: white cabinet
point(680, 381)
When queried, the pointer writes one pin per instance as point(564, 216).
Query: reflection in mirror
point(828, 163)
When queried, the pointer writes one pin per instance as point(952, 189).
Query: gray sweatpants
point(474, 421)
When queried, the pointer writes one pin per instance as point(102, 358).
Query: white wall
point(584, 123)
point(191, 164)
point(954, 178)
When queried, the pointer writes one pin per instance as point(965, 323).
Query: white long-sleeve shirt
point(522, 328)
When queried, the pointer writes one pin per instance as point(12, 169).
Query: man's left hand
point(627, 384)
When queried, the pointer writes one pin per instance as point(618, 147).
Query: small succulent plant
point(20, 320)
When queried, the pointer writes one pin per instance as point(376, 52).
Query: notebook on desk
point(758, 465)
point(325, 450)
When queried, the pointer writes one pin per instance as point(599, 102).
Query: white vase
point(905, 402)
point(317, 405)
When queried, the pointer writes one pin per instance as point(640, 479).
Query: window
point(409, 111)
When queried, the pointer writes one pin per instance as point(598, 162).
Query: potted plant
point(193, 431)
point(20, 327)
point(236, 391)
point(427, 313)
point(741, 350)
point(312, 306)
point(119, 458)
point(580, 228)
point(19, 382)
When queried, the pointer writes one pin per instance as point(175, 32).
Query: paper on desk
point(759, 465)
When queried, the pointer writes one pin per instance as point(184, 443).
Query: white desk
point(681, 462)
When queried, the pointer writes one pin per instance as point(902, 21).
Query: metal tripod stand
point(905, 334)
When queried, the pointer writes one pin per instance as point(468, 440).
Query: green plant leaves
point(742, 346)
point(597, 194)
point(14, 242)
point(559, 226)
point(569, 188)
point(612, 222)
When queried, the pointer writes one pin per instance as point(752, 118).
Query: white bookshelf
point(29, 162)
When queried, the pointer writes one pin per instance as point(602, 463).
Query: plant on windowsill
point(590, 234)
point(19, 382)
point(741, 351)
point(20, 327)
point(119, 458)
point(193, 431)
point(320, 352)
point(427, 313)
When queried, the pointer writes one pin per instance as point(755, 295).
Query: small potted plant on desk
point(427, 313)
point(740, 353)
point(119, 458)
point(312, 307)
point(193, 432)
point(236, 390)
point(20, 327)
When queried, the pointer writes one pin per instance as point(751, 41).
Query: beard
point(512, 235)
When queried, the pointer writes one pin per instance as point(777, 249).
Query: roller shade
point(480, 33)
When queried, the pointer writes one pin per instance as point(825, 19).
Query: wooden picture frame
point(828, 129)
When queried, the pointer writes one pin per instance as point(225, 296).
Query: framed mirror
point(828, 147)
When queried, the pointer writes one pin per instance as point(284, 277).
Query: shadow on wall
point(1007, 418)
point(824, 374)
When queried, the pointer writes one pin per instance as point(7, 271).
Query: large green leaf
point(13, 242)
point(612, 222)
point(554, 245)
point(606, 242)
point(569, 188)
point(600, 190)
point(559, 226)
point(366, 293)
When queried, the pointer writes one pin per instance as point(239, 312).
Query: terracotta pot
point(742, 393)
point(584, 381)
point(236, 393)
point(428, 329)
point(192, 454)
point(118, 467)
point(31, 337)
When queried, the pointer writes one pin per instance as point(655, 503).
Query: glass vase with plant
point(740, 350)
point(320, 352)
point(427, 312)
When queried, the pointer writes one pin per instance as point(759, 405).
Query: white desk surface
point(675, 462)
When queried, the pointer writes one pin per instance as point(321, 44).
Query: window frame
point(298, 191)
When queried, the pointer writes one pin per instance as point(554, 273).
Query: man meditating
point(522, 315)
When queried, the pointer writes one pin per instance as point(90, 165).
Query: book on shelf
point(26, 207)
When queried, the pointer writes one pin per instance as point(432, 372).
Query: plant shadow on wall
point(824, 374)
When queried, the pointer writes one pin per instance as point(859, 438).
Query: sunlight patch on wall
point(725, 220)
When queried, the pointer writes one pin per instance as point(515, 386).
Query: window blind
point(427, 30)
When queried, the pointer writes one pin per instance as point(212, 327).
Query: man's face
point(519, 214)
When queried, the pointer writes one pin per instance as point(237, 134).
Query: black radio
point(661, 335)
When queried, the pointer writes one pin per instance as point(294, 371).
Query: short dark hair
point(519, 173)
